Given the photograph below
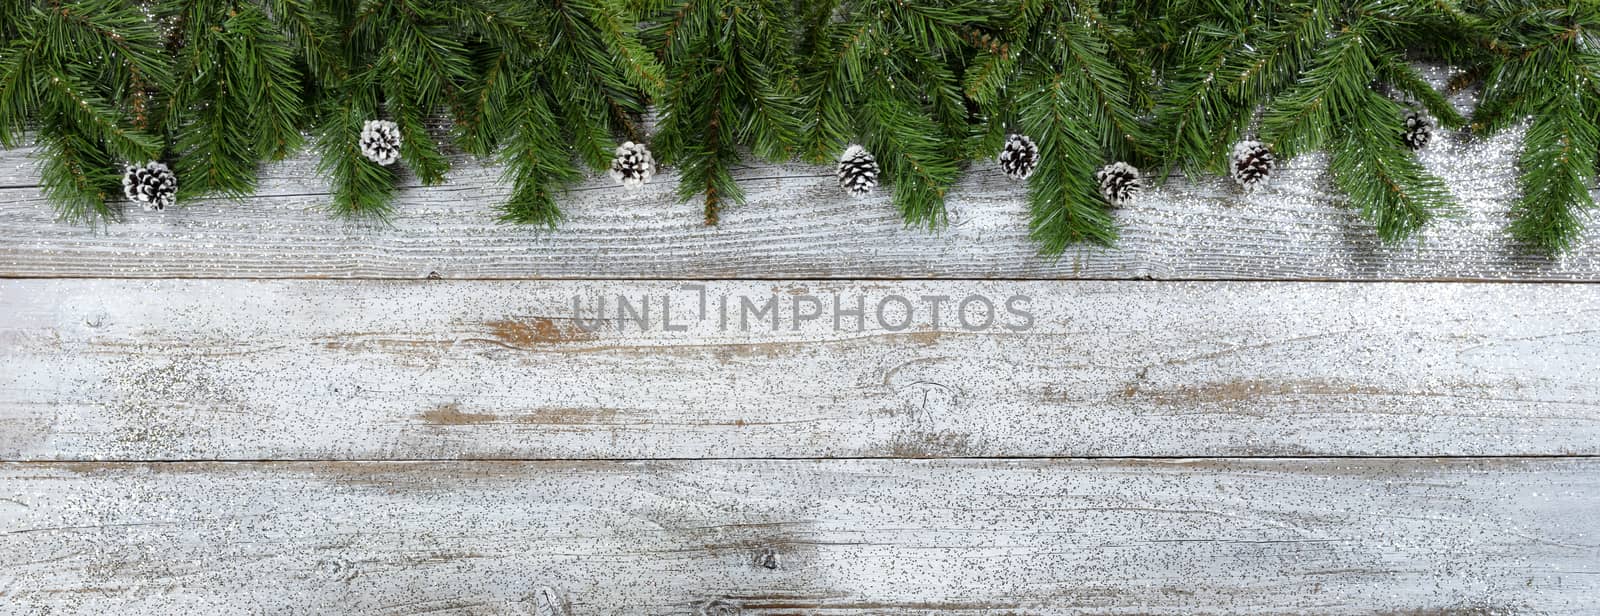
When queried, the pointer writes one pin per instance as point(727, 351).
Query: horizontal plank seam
point(1130, 279)
point(1575, 457)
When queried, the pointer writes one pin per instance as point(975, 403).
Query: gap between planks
point(1062, 459)
point(824, 279)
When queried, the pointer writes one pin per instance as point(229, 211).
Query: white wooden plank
point(795, 225)
point(1500, 536)
point(199, 370)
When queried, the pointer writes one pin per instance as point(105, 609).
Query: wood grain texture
point(1502, 536)
point(199, 370)
point(796, 224)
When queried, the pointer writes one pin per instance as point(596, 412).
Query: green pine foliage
point(731, 82)
point(1070, 80)
point(548, 88)
point(1317, 67)
point(402, 60)
point(84, 78)
point(555, 82)
point(884, 74)
point(1543, 61)
point(236, 99)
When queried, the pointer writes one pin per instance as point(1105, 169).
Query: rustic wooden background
point(1251, 406)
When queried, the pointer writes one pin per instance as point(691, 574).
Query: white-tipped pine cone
point(858, 171)
point(633, 166)
point(1252, 164)
point(152, 185)
point(1019, 157)
point(380, 141)
point(1418, 131)
point(1119, 183)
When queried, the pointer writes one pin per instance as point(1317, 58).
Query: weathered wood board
point(201, 370)
point(1204, 445)
point(796, 224)
point(1413, 536)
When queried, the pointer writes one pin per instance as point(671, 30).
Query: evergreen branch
point(1502, 105)
point(592, 80)
point(78, 175)
point(1117, 50)
point(940, 94)
point(418, 148)
point(987, 76)
point(216, 154)
point(479, 126)
point(18, 97)
point(114, 35)
point(589, 130)
point(1304, 118)
point(1389, 186)
point(914, 159)
point(272, 82)
point(836, 62)
point(360, 186)
point(75, 100)
point(306, 27)
point(1557, 163)
point(620, 38)
point(1283, 52)
point(1405, 78)
point(238, 101)
point(729, 83)
point(537, 165)
point(1197, 112)
point(1063, 199)
point(1121, 134)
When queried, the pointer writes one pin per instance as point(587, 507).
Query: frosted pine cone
point(1418, 131)
point(633, 165)
point(380, 141)
point(1119, 183)
point(152, 185)
point(858, 171)
point(1252, 164)
point(1020, 157)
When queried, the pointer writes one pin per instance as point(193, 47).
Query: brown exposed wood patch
point(570, 416)
point(537, 331)
point(1251, 389)
point(451, 415)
